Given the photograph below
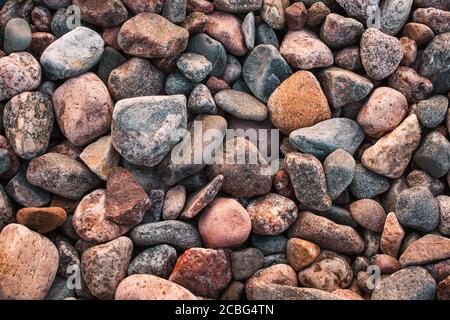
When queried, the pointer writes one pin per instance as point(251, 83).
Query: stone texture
point(246, 262)
point(413, 86)
point(194, 67)
point(281, 274)
point(394, 14)
point(339, 168)
point(367, 184)
point(241, 105)
point(102, 13)
point(338, 31)
point(436, 19)
point(433, 155)
point(211, 49)
point(432, 111)
point(174, 202)
point(17, 35)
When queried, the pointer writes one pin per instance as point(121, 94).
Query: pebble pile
point(93, 205)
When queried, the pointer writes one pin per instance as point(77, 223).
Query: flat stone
point(61, 175)
point(326, 234)
point(17, 35)
point(238, 6)
point(339, 167)
point(327, 136)
point(241, 105)
point(304, 50)
point(41, 220)
point(75, 104)
point(157, 261)
point(433, 155)
point(226, 28)
point(369, 214)
point(178, 234)
point(149, 287)
point(149, 35)
point(248, 27)
point(246, 262)
point(429, 248)
point(26, 271)
point(73, 54)
point(211, 49)
point(391, 154)
point(301, 253)
point(413, 86)
point(100, 157)
point(392, 236)
point(143, 128)
point(102, 13)
point(105, 266)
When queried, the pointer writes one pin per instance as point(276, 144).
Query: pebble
point(149, 35)
point(328, 136)
point(269, 244)
point(204, 272)
point(329, 272)
point(238, 6)
point(75, 103)
point(386, 263)
point(195, 23)
point(429, 248)
point(155, 118)
point(420, 33)
point(235, 291)
point(17, 35)
point(174, 201)
point(256, 177)
point(417, 209)
point(394, 14)
point(264, 70)
point(105, 266)
point(26, 272)
point(281, 274)
point(157, 261)
point(241, 105)
point(272, 12)
point(61, 175)
point(157, 202)
point(349, 59)
point(392, 236)
point(211, 49)
point(301, 253)
point(432, 111)
point(317, 13)
point(6, 210)
point(104, 14)
point(296, 15)
point(73, 54)
point(340, 216)
point(175, 10)
point(409, 51)
point(90, 219)
point(41, 17)
point(135, 78)
point(326, 234)
point(225, 223)
point(68, 258)
point(19, 72)
point(443, 290)
point(418, 178)
point(246, 262)
point(40, 42)
point(28, 122)
point(201, 101)
point(226, 28)
point(248, 27)
point(178, 234)
point(233, 70)
point(391, 154)
point(287, 292)
point(408, 82)
point(264, 34)
point(298, 102)
point(271, 214)
point(308, 180)
point(149, 287)
point(41, 220)
point(439, 270)
point(339, 167)
point(338, 31)
point(342, 87)
point(369, 214)
point(433, 155)
point(438, 20)
point(177, 84)
point(194, 67)
point(413, 283)
point(381, 54)
point(216, 85)
point(444, 217)
point(59, 25)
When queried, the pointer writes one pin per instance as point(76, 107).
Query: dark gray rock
point(339, 215)
point(59, 23)
point(432, 111)
point(266, 35)
point(211, 49)
point(433, 155)
point(17, 36)
point(176, 83)
point(269, 244)
point(201, 101)
point(110, 60)
point(5, 161)
point(366, 184)
point(435, 63)
point(194, 67)
point(155, 212)
point(249, 30)
point(68, 259)
point(158, 261)
point(57, 4)
point(277, 258)
point(339, 169)
point(175, 10)
point(246, 262)
point(394, 14)
point(60, 290)
point(7, 215)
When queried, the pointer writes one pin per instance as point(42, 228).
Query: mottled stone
point(226, 28)
point(409, 48)
point(281, 274)
point(287, 292)
point(429, 248)
point(338, 31)
point(444, 217)
point(269, 244)
point(436, 19)
point(432, 111)
point(68, 259)
point(102, 13)
point(392, 236)
point(246, 262)
point(41, 220)
point(194, 67)
point(60, 291)
point(201, 101)
point(176, 83)
point(248, 27)
point(296, 15)
point(241, 105)
point(138, 6)
point(100, 157)
point(420, 33)
point(157, 261)
point(174, 201)
point(174, 10)
point(39, 42)
point(157, 201)
point(433, 155)
point(301, 253)
point(317, 13)
point(15, 9)
point(238, 6)
point(196, 22)
point(390, 155)
point(419, 178)
point(386, 263)
point(211, 49)
point(6, 210)
point(394, 14)
point(264, 34)
point(367, 184)
point(413, 86)
point(369, 214)
point(272, 12)
point(359, 9)
point(349, 58)
point(339, 168)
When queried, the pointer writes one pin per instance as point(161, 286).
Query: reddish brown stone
point(226, 28)
point(104, 13)
point(387, 264)
point(215, 85)
point(138, 6)
point(68, 205)
point(39, 42)
point(41, 18)
point(110, 36)
point(349, 58)
point(282, 184)
point(438, 20)
point(166, 65)
point(301, 253)
point(409, 51)
point(42, 220)
point(281, 274)
point(317, 13)
point(427, 249)
point(67, 149)
point(368, 213)
point(204, 272)
point(203, 6)
point(443, 289)
point(196, 22)
point(296, 15)
point(412, 85)
point(392, 236)
point(420, 33)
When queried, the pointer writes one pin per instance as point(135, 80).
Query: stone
point(5, 161)
point(202, 198)
point(6, 210)
point(349, 58)
point(369, 214)
point(342, 87)
point(195, 23)
point(28, 122)
point(110, 36)
point(338, 31)
point(90, 219)
point(420, 33)
point(26, 271)
point(224, 224)
point(391, 154)
point(286, 292)
point(418, 178)
point(444, 217)
point(68, 259)
point(75, 104)
point(433, 155)
point(439, 270)
point(339, 168)
point(255, 175)
point(317, 13)
point(19, 72)
point(149, 287)
point(436, 19)
point(175, 10)
point(301, 253)
point(386, 263)
point(264, 70)
point(17, 35)
point(73, 54)
point(246, 262)
point(296, 15)
point(59, 25)
point(413, 283)
point(380, 53)
point(14, 9)
point(392, 236)
point(102, 13)
point(178, 234)
point(137, 77)
point(232, 71)
point(443, 289)
point(271, 214)
point(226, 28)
point(194, 67)
point(241, 105)
point(39, 42)
point(157, 202)
point(248, 27)
point(41, 220)
point(308, 180)
point(298, 102)
point(149, 35)
point(211, 49)
point(234, 291)
point(429, 248)
point(143, 127)
point(176, 84)
point(329, 272)
point(41, 17)
point(174, 201)
point(328, 136)
point(61, 175)
point(408, 82)
point(326, 234)
point(264, 34)
point(367, 184)
point(105, 266)
point(59, 290)
point(340, 216)
point(200, 6)
point(216, 85)
point(157, 261)
point(432, 111)
point(409, 51)
point(272, 12)
point(417, 209)
point(304, 50)
point(269, 244)
point(200, 101)
point(204, 272)
point(394, 14)
point(100, 157)
point(238, 6)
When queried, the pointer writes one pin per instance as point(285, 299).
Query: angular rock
point(174, 201)
point(392, 236)
point(413, 86)
point(102, 13)
point(201, 101)
point(359, 9)
point(339, 168)
point(301, 253)
point(100, 157)
point(211, 49)
point(338, 31)
point(367, 184)
point(431, 112)
point(296, 15)
point(226, 28)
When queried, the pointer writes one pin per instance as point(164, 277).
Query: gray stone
point(269, 244)
point(417, 209)
point(433, 155)
point(339, 215)
point(158, 261)
point(157, 202)
point(277, 258)
point(7, 214)
point(59, 23)
point(394, 14)
point(201, 101)
point(246, 262)
point(241, 105)
point(435, 64)
point(68, 259)
point(266, 35)
point(59, 290)
point(176, 83)
point(17, 35)
point(339, 32)
point(5, 161)
point(339, 169)
point(110, 60)
point(73, 54)
point(175, 10)
point(328, 136)
point(57, 4)
point(211, 49)
point(249, 30)
point(366, 184)
point(238, 6)
point(194, 67)
point(359, 9)
point(432, 111)
point(444, 214)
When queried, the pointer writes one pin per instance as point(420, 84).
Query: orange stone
point(298, 102)
point(42, 220)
